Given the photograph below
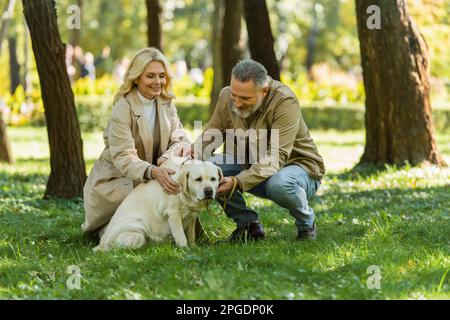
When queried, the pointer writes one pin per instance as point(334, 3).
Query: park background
point(388, 215)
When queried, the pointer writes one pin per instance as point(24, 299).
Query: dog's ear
point(220, 173)
point(183, 180)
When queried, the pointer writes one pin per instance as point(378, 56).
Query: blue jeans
point(290, 188)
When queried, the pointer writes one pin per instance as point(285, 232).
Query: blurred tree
point(26, 75)
point(309, 32)
point(311, 43)
point(260, 36)
point(104, 25)
point(216, 40)
point(75, 33)
point(5, 149)
point(231, 32)
point(395, 65)
point(154, 11)
point(14, 66)
point(68, 173)
point(6, 20)
point(187, 25)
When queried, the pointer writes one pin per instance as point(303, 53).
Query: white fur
point(149, 213)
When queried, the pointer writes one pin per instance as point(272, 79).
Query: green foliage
point(309, 91)
point(88, 87)
point(396, 219)
point(93, 112)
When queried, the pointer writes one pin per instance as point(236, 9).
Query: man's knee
point(277, 186)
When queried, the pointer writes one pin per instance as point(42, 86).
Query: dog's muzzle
point(208, 193)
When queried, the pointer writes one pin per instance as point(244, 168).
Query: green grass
point(396, 219)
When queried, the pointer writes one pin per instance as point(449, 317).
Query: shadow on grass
point(25, 178)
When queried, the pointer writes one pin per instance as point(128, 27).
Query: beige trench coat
point(129, 150)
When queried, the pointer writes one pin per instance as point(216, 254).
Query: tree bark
point(260, 36)
point(67, 175)
point(6, 18)
point(5, 148)
point(216, 40)
point(311, 43)
point(14, 66)
point(154, 11)
point(231, 34)
point(26, 77)
point(395, 63)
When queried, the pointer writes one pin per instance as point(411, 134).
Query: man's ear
point(265, 90)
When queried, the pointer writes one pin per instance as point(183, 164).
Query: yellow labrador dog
point(148, 213)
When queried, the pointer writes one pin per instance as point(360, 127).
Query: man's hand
point(167, 183)
point(225, 186)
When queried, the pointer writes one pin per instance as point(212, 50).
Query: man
point(256, 102)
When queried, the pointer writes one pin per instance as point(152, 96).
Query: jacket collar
point(162, 106)
point(268, 96)
point(136, 104)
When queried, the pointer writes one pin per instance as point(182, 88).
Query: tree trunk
point(68, 173)
point(6, 18)
point(14, 66)
point(231, 34)
point(395, 65)
point(311, 45)
point(216, 40)
point(154, 11)
point(5, 149)
point(26, 78)
point(260, 36)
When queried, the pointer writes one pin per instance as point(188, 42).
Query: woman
point(142, 131)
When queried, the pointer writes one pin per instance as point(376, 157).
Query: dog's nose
point(208, 193)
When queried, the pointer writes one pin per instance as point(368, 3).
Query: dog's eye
point(213, 179)
point(199, 179)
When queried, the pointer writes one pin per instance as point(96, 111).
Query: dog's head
point(200, 179)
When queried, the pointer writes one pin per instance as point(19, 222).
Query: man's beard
point(244, 114)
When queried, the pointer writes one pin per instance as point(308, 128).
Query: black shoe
point(253, 231)
point(308, 234)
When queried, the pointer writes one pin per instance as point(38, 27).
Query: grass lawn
point(395, 220)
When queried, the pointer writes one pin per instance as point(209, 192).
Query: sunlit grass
point(396, 219)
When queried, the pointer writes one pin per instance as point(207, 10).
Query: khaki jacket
point(280, 110)
point(129, 150)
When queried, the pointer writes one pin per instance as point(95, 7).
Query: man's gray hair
point(248, 69)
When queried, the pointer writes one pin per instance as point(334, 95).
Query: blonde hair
point(137, 66)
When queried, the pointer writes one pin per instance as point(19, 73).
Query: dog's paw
point(182, 243)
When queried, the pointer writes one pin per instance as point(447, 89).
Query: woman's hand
point(167, 183)
point(160, 161)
